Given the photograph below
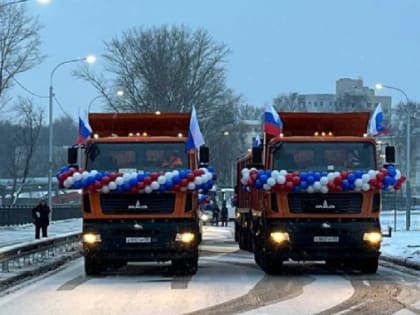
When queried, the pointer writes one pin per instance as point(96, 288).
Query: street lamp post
point(89, 59)
point(408, 154)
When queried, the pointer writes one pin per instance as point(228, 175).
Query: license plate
point(138, 239)
point(326, 239)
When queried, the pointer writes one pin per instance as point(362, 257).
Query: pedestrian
point(224, 214)
point(40, 215)
point(216, 212)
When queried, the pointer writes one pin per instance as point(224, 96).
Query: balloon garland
point(137, 182)
point(387, 178)
point(203, 199)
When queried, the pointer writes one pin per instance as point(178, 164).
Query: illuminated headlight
point(91, 238)
point(205, 217)
point(186, 237)
point(238, 215)
point(279, 237)
point(372, 237)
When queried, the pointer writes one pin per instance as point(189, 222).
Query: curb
point(401, 262)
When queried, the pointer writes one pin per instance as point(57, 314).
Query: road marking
point(73, 283)
point(366, 283)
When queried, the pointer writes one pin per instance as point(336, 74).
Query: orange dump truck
point(314, 193)
point(137, 205)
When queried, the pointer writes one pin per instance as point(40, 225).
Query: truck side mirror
point(257, 155)
point(72, 156)
point(389, 155)
point(204, 155)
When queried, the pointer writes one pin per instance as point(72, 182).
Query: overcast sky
point(277, 46)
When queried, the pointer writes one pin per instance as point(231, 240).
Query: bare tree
point(19, 45)
point(289, 103)
point(165, 68)
point(23, 145)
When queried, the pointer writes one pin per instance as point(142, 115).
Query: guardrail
point(38, 250)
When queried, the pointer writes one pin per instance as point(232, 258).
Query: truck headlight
point(91, 238)
point(279, 237)
point(372, 237)
point(186, 237)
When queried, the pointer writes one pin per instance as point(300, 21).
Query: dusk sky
point(277, 47)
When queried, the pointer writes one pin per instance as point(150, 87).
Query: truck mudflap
point(142, 240)
point(323, 240)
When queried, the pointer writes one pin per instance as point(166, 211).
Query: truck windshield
point(134, 157)
point(325, 156)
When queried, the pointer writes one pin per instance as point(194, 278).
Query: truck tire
point(185, 266)
point(271, 265)
point(368, 265)
point(93, 267)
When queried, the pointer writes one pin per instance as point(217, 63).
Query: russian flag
point(377, 124)
point(272, 122)
point(84, 130)
point(195, 138)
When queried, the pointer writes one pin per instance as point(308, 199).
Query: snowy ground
point(403, 245)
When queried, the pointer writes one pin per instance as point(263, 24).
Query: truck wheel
point(368, 265)
point(93, 267)
point(270, 264)
point(185, 266)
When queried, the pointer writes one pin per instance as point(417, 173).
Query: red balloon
point(296, 180)
point(253, 176)
point(147, 180)
point(289, 186)
point(105, 180)
point(250, 182)
point(97, 184)
point(154, 176)
point(134, 189)
point(379, 177)
point(330, 186)
point(177, 187)
point(190, 177)
point(183, 182)
point(140, 185)
point(289, 177)
point(198, 172)
point(113, 176)
point(344, 174)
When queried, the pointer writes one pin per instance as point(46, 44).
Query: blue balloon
point(263, 178)
point(358, 174)
point(317, 176)
point(297, 188)
point(304, 184)
point(132, 182)
point(310, 179)
point(324, 173)
point(258, 184)
point(140, 177)
point(303, 176)
point(125, 186)
point(345, 184)
point(387, 180)
point(351, 178)
point(90, 180)
point(98, 176)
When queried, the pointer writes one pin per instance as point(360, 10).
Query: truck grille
point(138, 203)
point(325, 203)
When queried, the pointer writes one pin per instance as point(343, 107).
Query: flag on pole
point(256, 141)
point(272, 121)
point(377, 124)
point(195, 138)
point(85, 130)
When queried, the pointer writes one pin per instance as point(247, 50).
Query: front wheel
point(369, 265)
point(93, 265)
point(185, 266)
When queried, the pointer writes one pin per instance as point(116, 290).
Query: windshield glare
point(134, 157)
point(328, 156)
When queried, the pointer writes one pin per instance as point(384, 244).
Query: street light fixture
point(88, 59)
point(408, 154)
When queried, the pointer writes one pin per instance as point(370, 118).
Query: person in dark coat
point(216, 211)
point(40, 215)
point(224, 214)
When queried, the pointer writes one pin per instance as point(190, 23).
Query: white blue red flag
point(85, 130)
point(272, 121)
point(377, 123)
point(195, 138)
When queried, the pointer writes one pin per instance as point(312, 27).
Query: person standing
point(224, 214)
point(40, 215)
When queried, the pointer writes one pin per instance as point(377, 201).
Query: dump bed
point(340, 124)
point(122, 124)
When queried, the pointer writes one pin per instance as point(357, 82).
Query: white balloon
point(365, 187)
point(310, 189)
point(358, 183)
point(397, 174)
point(271, 181)
point(324, 189)
point(317, 186)
point(198, 180)
point(126, 177)
point(119, 181)
point(283, 172)
point(323, 180)
point(275, 173)
point(365, 178)
point(85, 174)
point(66, 183)
point(93, 172)
point(77, 176)
point(281, 179)
point(105, 189)
point(191, 186)
point(161, 180)
point(244, 170)
point(372, 173)
point(148, 189)
point(266, 187)
point(175, 173)
point(70, 181)
point(155, 185)
point(112, 185)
